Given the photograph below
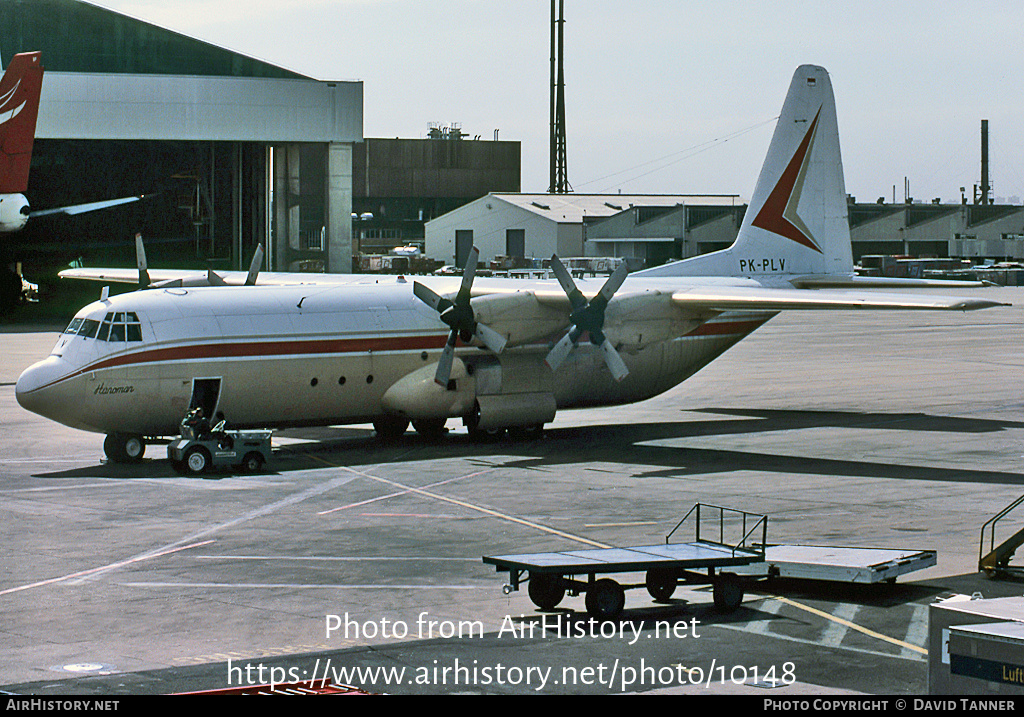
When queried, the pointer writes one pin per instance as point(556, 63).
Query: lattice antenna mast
point(559, 183)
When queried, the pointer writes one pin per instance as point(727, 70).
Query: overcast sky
point(662, 96)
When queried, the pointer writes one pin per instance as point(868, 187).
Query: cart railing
point(754, 520)
point(992, 556)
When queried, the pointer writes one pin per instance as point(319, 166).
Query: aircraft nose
point(34, 389)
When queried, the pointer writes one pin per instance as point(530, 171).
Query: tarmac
point(361, 561)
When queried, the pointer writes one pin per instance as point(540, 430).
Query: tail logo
point(778, 214)
point(5, 101)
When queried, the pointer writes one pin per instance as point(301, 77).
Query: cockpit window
point(120, 326)
point(89, 328)
point(116, 326)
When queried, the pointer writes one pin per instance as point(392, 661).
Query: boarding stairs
point(996, 562)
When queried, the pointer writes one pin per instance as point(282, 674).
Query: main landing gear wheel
point(431, 428)
point(661, 584)
point(546, 590)
point(605, 599)
point(728, 592)
point(124, 447)
point(390, 427)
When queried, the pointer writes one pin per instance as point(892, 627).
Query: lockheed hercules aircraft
point(291, 350)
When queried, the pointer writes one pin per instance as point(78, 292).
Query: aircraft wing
point(769, 299)
point(89, 207)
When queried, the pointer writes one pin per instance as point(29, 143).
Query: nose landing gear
point(124, 447)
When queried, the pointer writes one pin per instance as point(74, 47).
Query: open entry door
point(205, 394)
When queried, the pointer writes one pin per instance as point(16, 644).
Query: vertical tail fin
point(797, 222)
point(19, 107)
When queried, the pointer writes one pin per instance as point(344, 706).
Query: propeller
point(458, 315)
point(140, 259)
point(211, 279)
point(588, 317)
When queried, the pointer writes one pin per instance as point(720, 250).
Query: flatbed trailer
point(862, 566)
point(726, 567)
point(553, 574)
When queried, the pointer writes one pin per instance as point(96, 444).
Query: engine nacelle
point(417, 396)
point(644, 319)
point(519, 317)
point(14, 211)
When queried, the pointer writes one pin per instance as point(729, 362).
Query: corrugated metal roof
point(572, 208)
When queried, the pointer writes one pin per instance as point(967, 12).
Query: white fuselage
point(316, 355)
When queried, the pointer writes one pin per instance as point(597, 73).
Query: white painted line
point(112, 566)
point(301, 586)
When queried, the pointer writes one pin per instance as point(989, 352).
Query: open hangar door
point(206, 205)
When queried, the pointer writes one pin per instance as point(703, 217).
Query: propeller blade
point(490, 338)
point(427, 295)
point(254, 267)
point(214, 279)
point(444, 364)
point(468, 273)
point(614, 281)
point(140, 257)
point(614, 361)
point(559, 353)
point(576, 298)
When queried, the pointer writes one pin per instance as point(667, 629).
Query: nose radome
point(33, 388)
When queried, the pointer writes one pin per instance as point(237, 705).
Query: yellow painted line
point(470, 506)
point(851, 625)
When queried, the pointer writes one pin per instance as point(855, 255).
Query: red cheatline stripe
point(331, 346)
point(264, 348)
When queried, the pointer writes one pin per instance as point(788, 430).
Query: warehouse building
point(653, 229)
point(570, 225)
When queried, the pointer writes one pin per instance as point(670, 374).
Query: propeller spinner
point(458, 315)
point(588, 317)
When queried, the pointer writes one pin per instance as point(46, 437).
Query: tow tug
point(198, 452)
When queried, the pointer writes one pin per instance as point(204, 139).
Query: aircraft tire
point(605, 599)
point(124, 447)
point(431, 428)
point(390, 427)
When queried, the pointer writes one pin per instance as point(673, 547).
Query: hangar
point(237, 151)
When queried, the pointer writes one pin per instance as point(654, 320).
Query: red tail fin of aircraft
point(19, 107)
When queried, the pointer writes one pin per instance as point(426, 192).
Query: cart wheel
point(728, 592)
point(546, 590)
point(253, 462)
point(605, 599)
point(196, 460)
point(661, 584)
